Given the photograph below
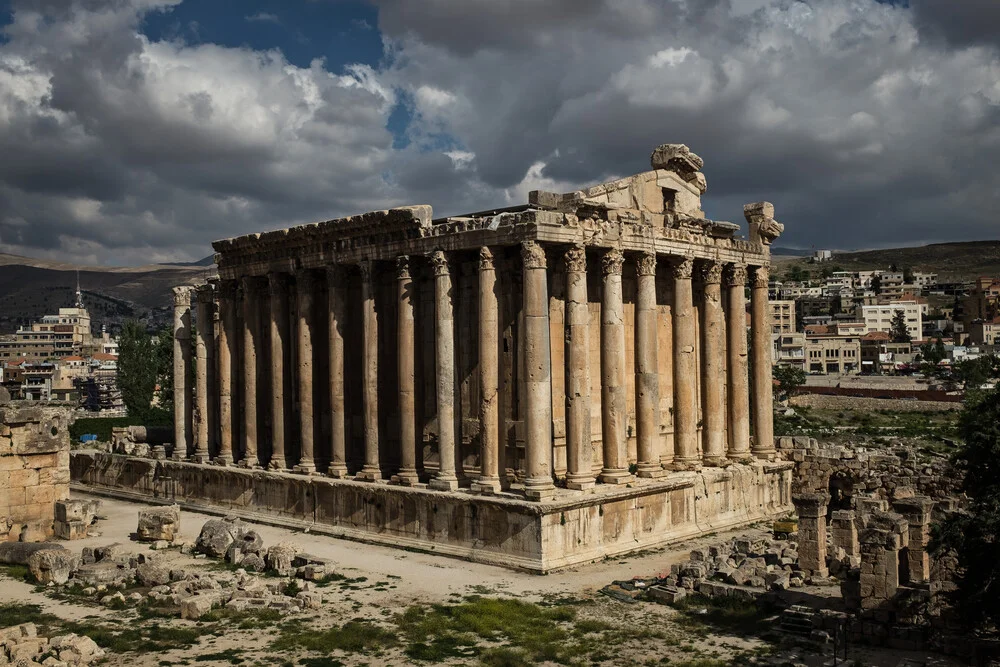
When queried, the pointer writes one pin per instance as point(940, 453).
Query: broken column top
point(676, 157)
point(811, 504)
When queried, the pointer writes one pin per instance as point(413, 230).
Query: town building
point(789, 349)
point(881, 356)
point(833, 349)
point(782, 316)
point(985, 332)
point(879, 317)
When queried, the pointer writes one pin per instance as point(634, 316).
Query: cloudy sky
point(136, 131)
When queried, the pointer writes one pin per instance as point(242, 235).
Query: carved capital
point(439, 260)
point(367, 268)
point(486, 262)
point(711, 273)
point(736, 275)
point(763, 227)
point(182, 295)
point(277, 284)
point(761, 276)
point(683, 268)
point(612, 262)
point(403, 267)
point(645, 264)
point(533, 255)
point(576, 259)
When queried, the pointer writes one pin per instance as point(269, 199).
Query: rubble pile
point(21, 645)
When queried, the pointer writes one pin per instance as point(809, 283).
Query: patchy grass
point(15, 614)
point(356, 636)
point(230, 655)
point(739, 617)
point(249, 619)
point(19, 572)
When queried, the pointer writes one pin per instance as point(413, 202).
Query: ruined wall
point(824, 401)
point(34, 469)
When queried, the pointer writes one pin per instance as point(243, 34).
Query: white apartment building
point(879, 317)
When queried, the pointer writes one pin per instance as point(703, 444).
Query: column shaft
point(305, 287)
point(763, 392)
point(647, 378)
point(278, 284)
point(685, 368)
point(613, 399)
point(182, 372)
point(371, 470)
point(579, 443)
point(489, 376)
point(407, 407)
point(203, 339)
point(444, 349)
point(250, 332)
point(738, 370)
point(227, 352)
point(335, 322)
point(538, 482)
point(714, 363)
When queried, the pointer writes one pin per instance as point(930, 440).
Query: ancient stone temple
point(535, 386)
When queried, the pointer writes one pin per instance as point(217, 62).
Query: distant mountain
point(951, 261)
point(30, 288)
point(790, 252)
point(207, 261)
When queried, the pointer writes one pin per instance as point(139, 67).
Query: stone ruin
point(34, 469)
point(536, 387)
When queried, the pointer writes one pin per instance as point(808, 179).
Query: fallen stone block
point(18, 553)
point(52, 565)
point(159, 523)
point(103, 572)
point(217, 535)
point(281, 556)
point(197, 606)
point(151, 574)
point(666, 594)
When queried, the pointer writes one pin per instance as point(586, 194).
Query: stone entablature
point(521, 350)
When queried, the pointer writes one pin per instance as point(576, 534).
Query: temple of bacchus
point(535, 386)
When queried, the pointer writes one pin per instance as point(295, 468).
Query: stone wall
point(34, 469)
point(823, 401)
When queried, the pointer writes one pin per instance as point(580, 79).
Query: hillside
point(30, 288)
point(951, 261)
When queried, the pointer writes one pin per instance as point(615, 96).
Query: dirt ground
point(383, 583)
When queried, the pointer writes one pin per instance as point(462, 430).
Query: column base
point(580, 482)
point(740, 457)
point(650, 470)
point(337, 471)
point(539, 489)
point(201, 457)
point(714, 461)
point(616, 476)
point(449, 483)
point(766, 454)
point(224, 460)
point(682, 465)
point(157, 453)
point(406, 477)
point(178, 455)
point(369, 474)
point(487, 485)
point(305, 468)
point(250, 462)
point(277, 463)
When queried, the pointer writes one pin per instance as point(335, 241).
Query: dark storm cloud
point(960, 22)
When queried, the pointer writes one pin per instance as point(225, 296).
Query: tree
point(974, 536)
point(137, 369)
point(163, 353)
point(877, 284)
point(932, 353)
point(789, 378)
point(897, 328)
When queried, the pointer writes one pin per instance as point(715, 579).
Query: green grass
point(15, 614)
point(231, 655)
point(249, 619)
point(20, 572)
point(356, 636)
point(740, 617)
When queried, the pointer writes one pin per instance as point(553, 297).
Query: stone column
point(444, 351)
point(407, 475)
point(579, 443)
point(227, 352)
point(371, 470)
point(738, 369)
point(489, 375)
point(811, 510)
point(685, 368)
point(647, 378)
point(613, 400)
point(336, 318)
point(713, 360)
point(917, 512)
point(182, 372)
point(538, 482)
point(763, 392)
point(204, 338)
point(251, 294)
point(278, 284)
point(305, 289)
point(845, 535)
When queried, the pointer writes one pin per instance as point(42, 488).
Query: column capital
point(612, 262)
point(367, 268)
point(486, 261)
point(683, 268)
point(711, 272)
point(576, 259)
point(182, 295)
point(761, 276)
point(533, 255)
point(204, 294)
point(736, 275)
point(403, 267)
point(227, 289)
point(645, 264)
point(439, 262)
point(277, 283)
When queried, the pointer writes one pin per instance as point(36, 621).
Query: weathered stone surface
point(17, 553)
point(52, 565)
point(216, 536)
point(159, 523)
point(281, 556)
point(152, 574)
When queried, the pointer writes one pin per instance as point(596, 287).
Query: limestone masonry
point(536, 386)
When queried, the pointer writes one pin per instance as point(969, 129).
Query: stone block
point(52, 565)
point(197, 606)
point(666, 594)
point(159, 523)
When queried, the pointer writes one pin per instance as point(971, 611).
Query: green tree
point(931, 354)
point(897, 328)
point(137, 369)
point(163, 354)
point(974, 535)
point(789, 378)
point(877, 284)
